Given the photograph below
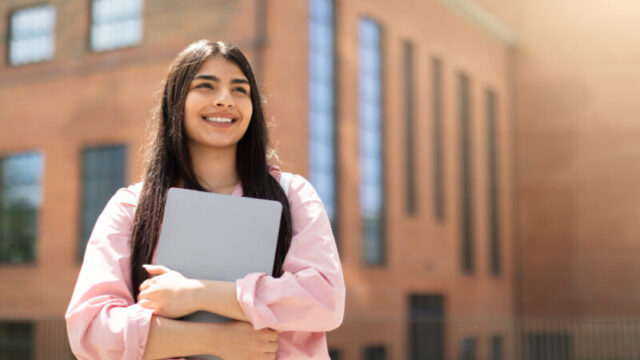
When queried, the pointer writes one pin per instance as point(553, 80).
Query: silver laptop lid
point(218, 237)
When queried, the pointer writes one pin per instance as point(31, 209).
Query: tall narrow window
point(495, 348)
point(371, 141)
point(466, 195)
point(468, 349)
point(334, 354)
point(115, 24)
point(378, 352)
point(438, 154)
point(103, 172)
point(426, 327)
point(494, 210)
point(16, 340)
point(32, 34)
point(322, 108)
point(410, 191)
point(20, 199)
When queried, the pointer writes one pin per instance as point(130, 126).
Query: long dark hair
point(168, 159)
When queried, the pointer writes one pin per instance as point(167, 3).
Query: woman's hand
point(244, 342)
point(168, 293)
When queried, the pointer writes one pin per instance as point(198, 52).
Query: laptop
point(217, 237)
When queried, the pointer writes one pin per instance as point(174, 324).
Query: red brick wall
point(577, 132)
point(82, 98)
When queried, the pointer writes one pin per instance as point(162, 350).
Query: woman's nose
point(224, 98)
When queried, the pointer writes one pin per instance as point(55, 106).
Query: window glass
point(375, 352)
point(494, 213)
point(466, 185)
point(20, 200)
point(371, 142)
point(322, 143)
point(32, 34)
point(103, 172)
point(438, 153)
point(115, 24)
point(16, 340)
point(468, 349)
point(410, 191)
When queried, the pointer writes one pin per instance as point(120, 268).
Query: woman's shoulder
point(299, 185)
point(128, 196)
point(305, 204)
point(119, 212)
point(299, 188)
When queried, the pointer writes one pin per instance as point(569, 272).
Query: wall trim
point(476, 15)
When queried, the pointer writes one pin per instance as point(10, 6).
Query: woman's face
point(218, 107)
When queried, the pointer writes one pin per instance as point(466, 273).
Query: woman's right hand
point(244, 342)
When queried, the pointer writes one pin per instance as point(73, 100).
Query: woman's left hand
point(168, 293)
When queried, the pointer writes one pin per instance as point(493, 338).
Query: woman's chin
point(213, 145)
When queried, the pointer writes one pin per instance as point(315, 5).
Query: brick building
point(444, 137)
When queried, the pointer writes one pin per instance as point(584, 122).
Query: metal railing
point(34, 339)
point(591, 339)
point(449, 339)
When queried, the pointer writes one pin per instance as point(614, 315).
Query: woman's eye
point(205, 85)
point(241, 89)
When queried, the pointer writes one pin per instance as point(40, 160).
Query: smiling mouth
point(219, 120)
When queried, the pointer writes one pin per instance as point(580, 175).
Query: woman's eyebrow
point(217, 79)
point(240, 81)
point(207, 77)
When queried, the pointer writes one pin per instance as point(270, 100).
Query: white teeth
point(218, 119)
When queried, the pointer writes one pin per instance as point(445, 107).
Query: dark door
point(426, 327)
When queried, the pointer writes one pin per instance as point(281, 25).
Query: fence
point(595, 339)
point(34, 339)
point(429, 339)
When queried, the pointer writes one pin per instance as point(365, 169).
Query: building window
point(115, 24)
point(549, 345)
point(466, 206)
point(371, 141)
point(16, 340)
point(495, 348)
point(378, 352)
point(334, 354)
point(20, 199)
point(438, 154)
point(468, 348)
point(426, 327)
point(32, 34)
point(103, 172)
point(494, 209)
point(322, 104)
point(410, 191)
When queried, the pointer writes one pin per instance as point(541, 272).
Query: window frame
point(408, 53)
point(493, 183)
point(381, 258)
point(333, 208)
point(437, 139)
point(31, 257)
point(123, 45)
point(10, 341)
point(375, 352)
point(466, 175)
point(10, 35)
point(83, 237)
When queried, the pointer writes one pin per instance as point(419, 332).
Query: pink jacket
point(103, 321)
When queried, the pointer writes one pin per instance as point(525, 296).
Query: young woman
point(209, 135)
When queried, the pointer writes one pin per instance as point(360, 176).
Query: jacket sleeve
point(103, 321)
point(310, 295)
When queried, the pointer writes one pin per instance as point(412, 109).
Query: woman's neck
point(215, 168)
